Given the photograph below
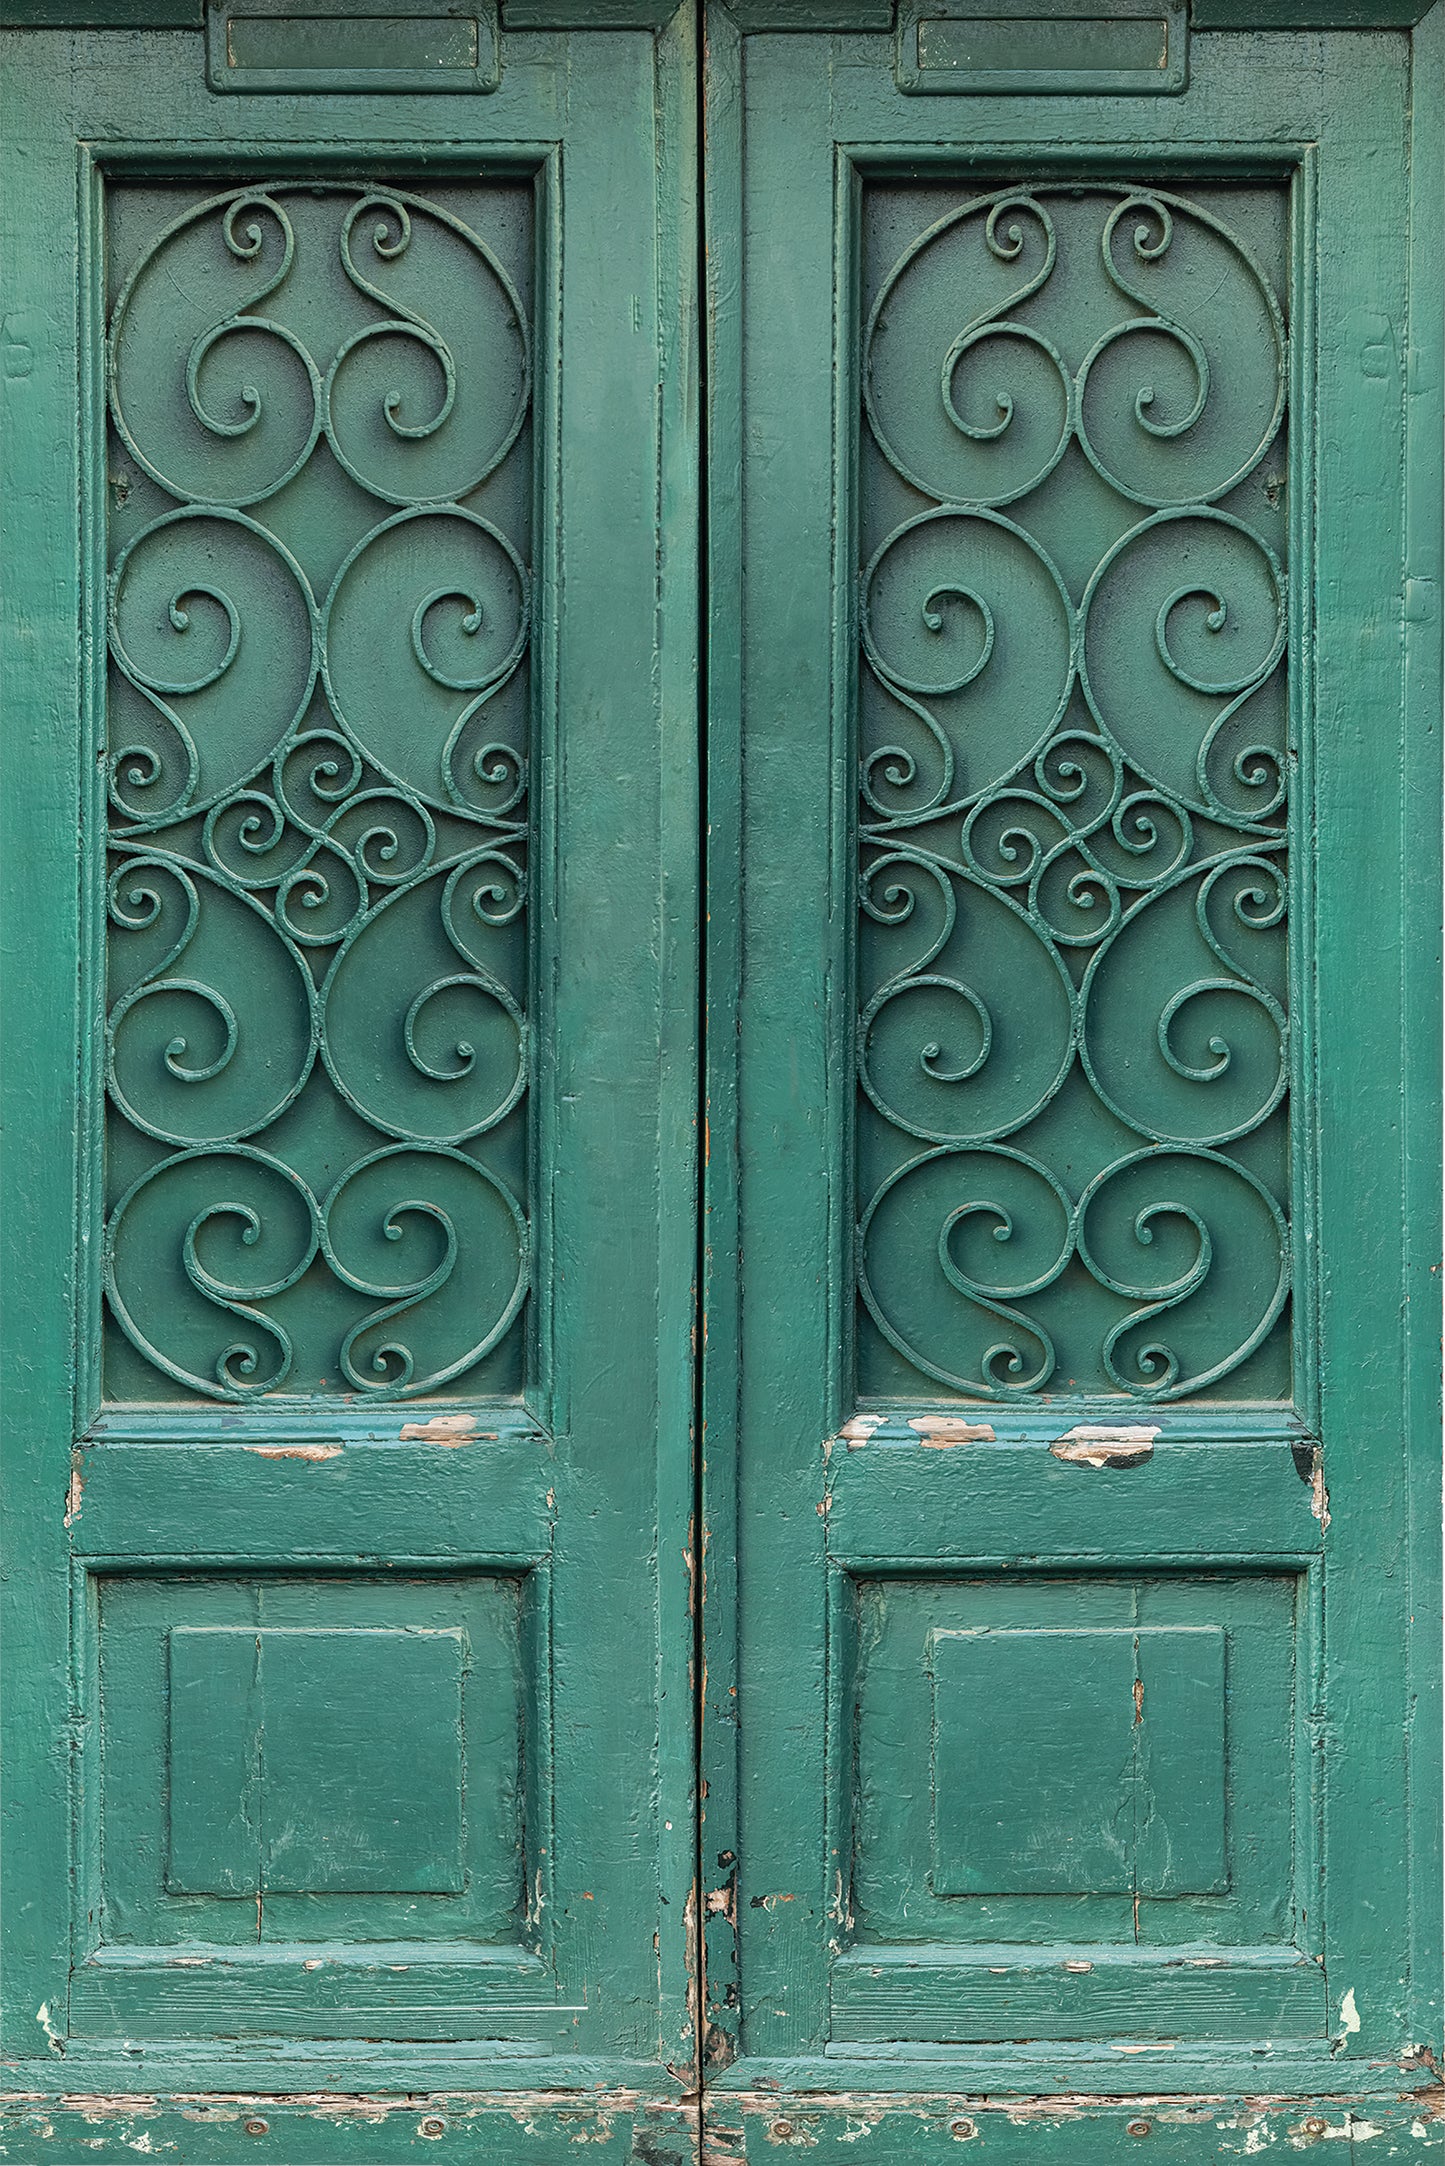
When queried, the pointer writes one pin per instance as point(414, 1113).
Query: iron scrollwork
point(317, 1038)
point(1074, 769)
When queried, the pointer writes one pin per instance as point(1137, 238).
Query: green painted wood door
point(349, 911)
point(1073, 1420)
point(1018, 1723)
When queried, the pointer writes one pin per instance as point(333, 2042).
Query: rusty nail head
point(257, 2127)
point(433, 2125)
point(1140, 2128)
point(963, 2129)
point(782, 2128)
point(1316, 2127)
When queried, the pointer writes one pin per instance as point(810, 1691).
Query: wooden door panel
point(338, 999)
point(314, 1170)
point(1050, 1082)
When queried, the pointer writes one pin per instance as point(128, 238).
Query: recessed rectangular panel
point(284, 1757)
point(994, 44)
point(363, 42)
point(1077, 751)
point(415, 45)
point(1099, 1758)
point(1051, 46)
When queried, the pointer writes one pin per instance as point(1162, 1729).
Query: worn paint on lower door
point(1070, 1769)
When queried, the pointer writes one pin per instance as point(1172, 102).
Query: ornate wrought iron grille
point(317, 766)
point(1075, 773)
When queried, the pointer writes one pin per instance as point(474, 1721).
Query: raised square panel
point(1033, 1763)
point(310, 1760)
point(1070, 1762)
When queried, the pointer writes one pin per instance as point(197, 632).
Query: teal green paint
point(1163, 1824)
point(1228, 1512)
point(1073, 845)
point(1133, 1768)
point(317, 775)
point(343, 1764)
point(266, 45)
point(328, 1727)
point(507, 1590)
point(929, 2126)
point(973, 46)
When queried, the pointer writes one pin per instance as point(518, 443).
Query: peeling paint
point(72, 1494)
point(1349, 2014)
point(859, 1429)
point(669, 2133)
point(447, 1429)
point(1319, 1495)
point(1092, 1446)
point(294, 1451)
point(938, 1431)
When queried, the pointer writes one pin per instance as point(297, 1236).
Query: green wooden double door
point(721, 813)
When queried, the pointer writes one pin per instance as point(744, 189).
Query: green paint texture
point(720, 967)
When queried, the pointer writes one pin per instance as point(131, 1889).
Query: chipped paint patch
point(1319, 1495)
point(939, 1431)
point(447, 1429)
point(295, 1451)
point(1093, 1446)
point(54, 2038)
point(859, 1429)
point(1349, 2014)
